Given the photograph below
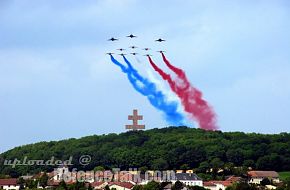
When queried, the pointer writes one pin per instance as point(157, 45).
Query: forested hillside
point(166, 148)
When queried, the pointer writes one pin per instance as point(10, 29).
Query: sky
point(56, 82)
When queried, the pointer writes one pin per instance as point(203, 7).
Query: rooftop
point(12, 181)
point(127, 185)
point(186, 177)
point(263, 174)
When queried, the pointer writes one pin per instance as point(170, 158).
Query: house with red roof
point(9, 184)
point(98, 185)
point(209, 185)
point(189, 179)
point(217, 185)
point(255, 177)
point(221, 185)
point(121, 185)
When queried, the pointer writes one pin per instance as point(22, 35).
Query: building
point(217, 185)
point(189, 179)
point(26, 177)
point(221, 185)
point(209, 185)
point(99, 185)
point(61, 173)
point(271, 187)
point(121, 185)
point(9, 184)
point(255, 177)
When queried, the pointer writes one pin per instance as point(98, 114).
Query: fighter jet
point(122, 54)
point(148, 55)
point(112, 39)
point(131, 36)
point(109, 53)
point(121, 49)
point(133, 47)
point(159, 40)
point(134, 53)
point(146, 49)
point(160, 51)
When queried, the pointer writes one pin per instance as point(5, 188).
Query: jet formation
point(133, 47)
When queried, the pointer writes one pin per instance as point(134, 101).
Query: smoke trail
point(194, 102)
point(155, 97)
point(180, 73)
point(191, 97)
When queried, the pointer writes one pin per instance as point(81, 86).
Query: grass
point(284, 175)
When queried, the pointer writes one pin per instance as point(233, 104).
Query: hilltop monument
point(135, 118)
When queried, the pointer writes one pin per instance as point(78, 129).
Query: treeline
point(160, 149)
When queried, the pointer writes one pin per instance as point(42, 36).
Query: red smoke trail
point(191, 97)
point(180, 73)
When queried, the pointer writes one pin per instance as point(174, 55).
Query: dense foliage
point(166, 148)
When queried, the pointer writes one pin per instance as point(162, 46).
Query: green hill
point(284, 175)
point(166, 148)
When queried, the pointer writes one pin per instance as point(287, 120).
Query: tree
point(99, 168)
point(229, 168)
point(107, 187)
point(177, 185)
point(3, 176)
point(265, 181)
point(236, 156)
point(31, 184)
point(138, 187)
point(286, 183)
point(21, 182)
point(203, 167)
point(152, 185)
point(184, 167)
point(216, 164)
point(90, 187)
point(43, 180)
point(143, 169)
point(166, 148)
point(267, 162)
point(249, 163)
point(240, 171)
point(78, 186)
point(63, 185)
point(159, 164)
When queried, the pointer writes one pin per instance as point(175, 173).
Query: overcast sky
point(56, 81)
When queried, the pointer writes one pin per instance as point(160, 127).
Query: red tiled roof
point(208, 184)
point(224, 183)
point(263, 174)
point(36, 176)
point(52, 183)
point(56, 183)
point(12, 181)
point(96, 184)
point(127, 185)
point(233, 179)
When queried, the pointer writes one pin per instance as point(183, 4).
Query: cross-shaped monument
point(135, 118)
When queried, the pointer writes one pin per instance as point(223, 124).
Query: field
point(284, 175)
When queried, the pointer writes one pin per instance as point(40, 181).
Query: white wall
point(11, 187)
point(190, 182)
point(117, 187)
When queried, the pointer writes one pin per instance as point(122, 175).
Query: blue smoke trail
point(148, 89)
